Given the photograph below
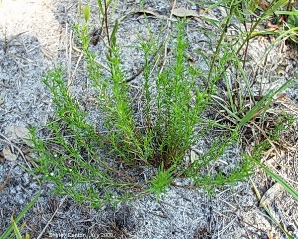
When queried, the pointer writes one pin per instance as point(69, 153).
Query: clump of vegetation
point(142, 150)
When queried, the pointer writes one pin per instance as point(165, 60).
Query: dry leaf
point(15, 132)
point(183, 12)
point(2, 159)
point(191, 62)
point(2, 98)
point(272, 27)
point(8, 155)
point(269, 236)
point(23, 133)
point(193, 156)
point(270, 195)
point(281, 98)
point(147, 12)
point(281, 72)
point(263, 4)
point(10, 133)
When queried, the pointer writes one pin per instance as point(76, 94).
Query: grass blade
point(15, 228)
point(277, 178)
point(11, 228)
point(268, 210)
point(265, 102)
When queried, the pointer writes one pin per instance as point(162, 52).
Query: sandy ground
point(36, 36)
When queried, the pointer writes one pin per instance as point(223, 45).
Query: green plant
point(161, 182)
point(160, 142)
point(293, 24)
point(267, 209)
point(13, 230)
point(267, 141)
point(271, 134)
point(242, 93)
point(141, 150)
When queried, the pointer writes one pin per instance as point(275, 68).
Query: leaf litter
point(8, 155)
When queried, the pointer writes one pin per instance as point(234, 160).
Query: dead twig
point(54, 214)
point(7, 178)
point(150, 61)
point(6, 140)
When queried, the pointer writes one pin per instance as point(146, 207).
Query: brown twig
point(7, 178)
point(6, 140)
point(150, 61)
point(46, 226)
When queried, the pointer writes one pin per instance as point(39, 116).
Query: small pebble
point(291, 228)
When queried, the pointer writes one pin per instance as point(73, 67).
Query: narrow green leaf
point(282, 182)
point(113, 35)
point(252, 5)
point(293, 19)
point(86, 11)
point(9, 230)
point(295, 12)
point(268, 211)
point(232, 113)
point(277, 178)
point(15, 228)
point(279, 4)
point(100, 6)
point(265, 102)
point(250, 114)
